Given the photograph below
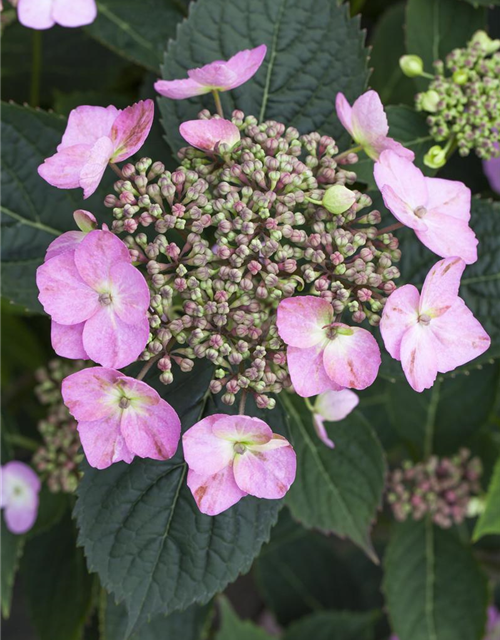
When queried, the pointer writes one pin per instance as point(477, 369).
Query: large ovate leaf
point(433, 586)
point(11, 550)
point(314, 51)
point(334, 625)
point(138, 32)
point(232, 627)
point(489, 522)
point(324, 495)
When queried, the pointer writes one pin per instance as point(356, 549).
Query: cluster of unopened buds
point(257, 254)
point(439, 487)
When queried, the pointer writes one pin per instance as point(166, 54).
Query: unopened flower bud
point(411, 65)
point(338, 199)
point(435, 157)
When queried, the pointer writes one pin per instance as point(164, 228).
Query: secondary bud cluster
point(440, 487)
point(57, 459)
point(464, 105)
point(226, 236)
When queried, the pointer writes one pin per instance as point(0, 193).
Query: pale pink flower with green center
point(323, 354)
point(19, 489)
point(230, 457)
point(221, 75)
point(94, 137)
point(44, 14)
point(432, 332)
point(120, 417)
point(332, 406)
point(207, 135)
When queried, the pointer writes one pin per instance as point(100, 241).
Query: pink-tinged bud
point(208, 134)
point(85, 220)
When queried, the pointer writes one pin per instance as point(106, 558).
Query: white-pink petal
point(419, 357)
point(447, 236)
point(353, 360)
point(86, 124)
point(441, 285)
point(74, 13)
point(307, 371)
point(401, 311)
point(180, 89)
point(131, 128)
point(302, 321)
point(35, 14)
point(214, 493)
point(336, 405)
point(67, 340)
point(97, 254)
point(103, 442)
point(90, 394)
point(207, 134)
point(204, 452)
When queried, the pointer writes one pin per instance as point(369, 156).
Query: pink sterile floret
point(221, 75)
point(94, 137)
point(68, 241)
point(437, 210)
point(367, 123)
point(98, 301)
point(323, 354)
point(43, 14)
point(332, 406)
point(433, 331)
point(120, 417)
point(232, 456)
point(19, 489)
point(207, 134)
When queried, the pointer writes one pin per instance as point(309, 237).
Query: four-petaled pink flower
point(94, 137)
point(332, 406)
point(98, 301)
point(208, 134)
point(43, 14)
point(19, 489)
point(323, 354)
point(432, 332)
point(437, 210)
point(221, 75)
point(232, 456)
point(367, 123)
point(120, 417)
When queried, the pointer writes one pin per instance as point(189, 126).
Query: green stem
point(424, 74)
point(431, 418)
point(344, 154)
point(218, 104)
point(243, 400)
point(392, 227)
point(116, 169)
point(18, 440)
point(318, 202)
point(309, 405)
point(36, 68)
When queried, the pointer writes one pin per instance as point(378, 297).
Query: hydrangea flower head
point(332, 406)
point(323, 354)
point(97, 300)
point(432, 332)
point(94, 137)
point(221, 75)
point(367, 123)
point(437, 210)
point(120, 417)
point(19, 491)
point(230, 457)
point(44, 14)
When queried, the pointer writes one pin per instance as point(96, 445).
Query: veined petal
point(419, 357)
point(404, 178)
point(336, 405)
point(448, 197)
point(302, 321)
point(91, 394)
point(131, 128)
point(352, 361)
point(67, 340)
point(401, 311)
point(214, 493)
point(103, 442)
point(204, 452)
point(130, 293)
point(307, 370)
point(95, 166)
point(344, 112)
point(447, 237)
point(86, 124)
point(244, 65)
point(180, 89)
point(63, 169)
point(401, 210)
point(369, 121)
point(65, 242)
point(207, 134)
point(242, 429)
point(440, 290)
point(97, 254)
point(215, 75)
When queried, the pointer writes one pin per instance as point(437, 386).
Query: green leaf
point(185, 625)
point(324, 495)
point(57, 586)
point(11, 550)
point(314, 51)
point(489, 522)
point(433, 586)
point(233, 628)
point(334, 625)
point(51, 509)
point(436, 27)
point(138, 33)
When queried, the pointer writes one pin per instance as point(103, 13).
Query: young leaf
point(233, 628)
point(334, 625)
point(433, 586)
point(324, 495)
point(489, 522)
point(314, 51)
point(11, 550)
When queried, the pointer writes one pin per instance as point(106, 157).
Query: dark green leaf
point(58, 587)
point(233, 628)
point(433, 586)
point(50, 510)
point(12, 549)
point(333, 625)
point(489, 522)
point(314, 51)
point(324, 495)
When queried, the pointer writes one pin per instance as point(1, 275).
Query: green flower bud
point(338, 199)
point(429, 101)
point(485, 42)
point(411, 65)
point(460, 76)
point(435, 157)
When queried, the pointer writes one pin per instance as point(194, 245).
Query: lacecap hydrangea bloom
point(19, 489)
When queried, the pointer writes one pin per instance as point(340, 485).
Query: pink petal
point(63, 294)
point(369, 121)
point(180, 89)
point(131, 128)
point(460, 338)
point(401, 210)
point(130, 293)
point(344, 112)
point(491, 170)
point(204, 452)
point(74, 13)
point(19, 486)
point(63, 169)
point(307, 371)
point(87, 124)
point(214, 493)
point(400, 312)
point(384, 143)
point(448, 197)
point(206, 134)
point(266, 470)
point(67, 340)
point(111, 342)
point(103, 442)
point(242, 66)
point(97, 254)
point(35, 14)
point(418, 357)
point(336, 405)
point(352, 360)
point(302, 321)
point(91, 394)
point(95, 166)
point(14, 471)
point(19, 518)
point(216, 75)
point(440, 290)
point(447, 236)
point(85, 220)
point(319, 427)
point(242, 429)
point(66, 242)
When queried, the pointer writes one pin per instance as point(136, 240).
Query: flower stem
point(243, 399)
point(148, 365)
point(36, 68)
point(392, 227)
point(18, 440)
point(117, 170)
point(218, 103)
point(344, 154)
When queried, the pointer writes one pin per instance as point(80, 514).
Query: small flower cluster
point(57, 459)
point(440, 487)
point(464, 107)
